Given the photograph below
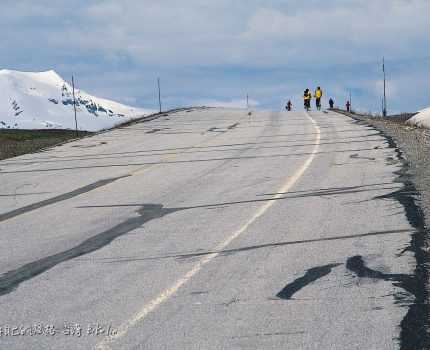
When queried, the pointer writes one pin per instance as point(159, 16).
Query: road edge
point(415, 325)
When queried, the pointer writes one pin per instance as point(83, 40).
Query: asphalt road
point(208, 229)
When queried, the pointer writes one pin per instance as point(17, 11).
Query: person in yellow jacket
point(318, 95)
point(307, 96)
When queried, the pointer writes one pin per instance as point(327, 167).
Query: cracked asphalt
point(213, 229)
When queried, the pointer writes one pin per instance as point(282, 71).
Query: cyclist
point(307, 96)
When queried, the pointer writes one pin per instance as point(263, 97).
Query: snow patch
point(421, 120)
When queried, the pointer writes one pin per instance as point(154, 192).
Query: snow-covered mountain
point(44, 101)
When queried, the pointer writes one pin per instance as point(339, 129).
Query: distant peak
point(49, 76)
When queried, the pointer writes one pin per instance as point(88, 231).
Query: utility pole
point(384, 109)
point(159, 93)
point(74, 106)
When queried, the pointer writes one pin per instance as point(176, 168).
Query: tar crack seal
point(9, 281)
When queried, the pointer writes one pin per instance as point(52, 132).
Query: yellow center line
point(174, 155)
point(170, 291)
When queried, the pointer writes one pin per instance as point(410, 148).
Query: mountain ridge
point(44, 100)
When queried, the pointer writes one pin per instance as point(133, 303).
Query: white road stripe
point(167, 293)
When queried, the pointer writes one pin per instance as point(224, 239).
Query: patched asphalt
point(98, 231)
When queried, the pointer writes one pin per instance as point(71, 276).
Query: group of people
point(307, 97)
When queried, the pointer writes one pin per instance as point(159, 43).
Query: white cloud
point(317, 40)
point(219, 33)
point(223, 32)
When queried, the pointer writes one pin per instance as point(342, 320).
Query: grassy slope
point(16, 142)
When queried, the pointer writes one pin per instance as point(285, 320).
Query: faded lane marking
point(99, 185)
point(167, 293)
point(174, 155)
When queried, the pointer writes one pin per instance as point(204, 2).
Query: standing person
point(307, 96)
point(331, 103)
point(289, 106)
point(318, 95)
point(348, 106)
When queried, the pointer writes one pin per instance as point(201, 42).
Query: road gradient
point(210, 229)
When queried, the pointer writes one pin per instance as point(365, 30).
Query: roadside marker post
point(159, 94)
point(74, 106)
point(384, 110)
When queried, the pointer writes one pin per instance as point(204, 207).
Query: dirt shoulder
point(15, 142)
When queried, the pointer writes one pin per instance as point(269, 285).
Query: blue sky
point(214, 52)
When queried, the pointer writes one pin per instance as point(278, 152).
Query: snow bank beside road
point(421, 120)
